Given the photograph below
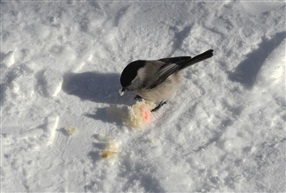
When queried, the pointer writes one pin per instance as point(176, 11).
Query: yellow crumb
point(110, 151)
point(108, 154)
point(71, 130)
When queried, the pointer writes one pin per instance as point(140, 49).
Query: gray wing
point(177, 63)
point(172, 65)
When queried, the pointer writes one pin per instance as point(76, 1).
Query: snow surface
point(224, 131)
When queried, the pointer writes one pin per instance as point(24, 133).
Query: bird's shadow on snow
point(247, 71)
point(95, 154)
point(94, 86)
point(106, 115)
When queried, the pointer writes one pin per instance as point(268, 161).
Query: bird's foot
point(137, 97)
point(158, 106)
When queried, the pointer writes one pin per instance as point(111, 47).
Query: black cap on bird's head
point(129, 74)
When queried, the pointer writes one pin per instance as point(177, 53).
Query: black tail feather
point(196, 59)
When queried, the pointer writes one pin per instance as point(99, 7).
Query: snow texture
point(224, 131)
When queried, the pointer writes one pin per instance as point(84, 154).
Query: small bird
point(157, 80)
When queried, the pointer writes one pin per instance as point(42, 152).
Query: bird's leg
point(158, 106)
point(137, 97)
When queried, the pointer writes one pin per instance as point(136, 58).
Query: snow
point(224, 131)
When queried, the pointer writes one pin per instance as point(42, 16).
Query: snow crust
point(224, 131)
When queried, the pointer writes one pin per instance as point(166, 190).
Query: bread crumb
point(71, 130)
point(134, 117)
point(139, 114)
point(110, 151)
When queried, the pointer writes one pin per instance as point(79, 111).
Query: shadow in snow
point(107, 116)
point(180, 36)
point(246, 72)
point(2, 90)
point(139, 174)
point(94, 86)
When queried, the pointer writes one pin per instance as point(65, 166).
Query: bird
point(157, 80)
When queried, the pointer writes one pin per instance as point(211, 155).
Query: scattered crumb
point(155, 141)
point(110, 151)
point(108, 154)
point(101, 137)
point(71, 130)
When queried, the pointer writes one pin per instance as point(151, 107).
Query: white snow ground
point(60, 65)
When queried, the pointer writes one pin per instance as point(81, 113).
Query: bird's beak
point(122, 91)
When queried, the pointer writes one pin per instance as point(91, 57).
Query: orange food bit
point(145, 113)
point(108, 154)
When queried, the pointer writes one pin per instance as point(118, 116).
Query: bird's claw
point(158, 106)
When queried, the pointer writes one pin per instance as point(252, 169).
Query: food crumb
point(71, 130)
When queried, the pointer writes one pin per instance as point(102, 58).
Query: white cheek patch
point(134, 84)
point(141, 73)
